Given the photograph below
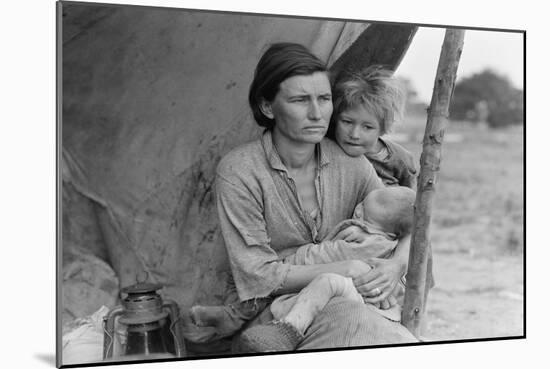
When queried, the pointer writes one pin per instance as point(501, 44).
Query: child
point(384, 215)
point(366, 106)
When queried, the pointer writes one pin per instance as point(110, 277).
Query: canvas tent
point(151, 100)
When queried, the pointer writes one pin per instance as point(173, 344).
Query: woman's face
point(357, 131)
point(302, 108)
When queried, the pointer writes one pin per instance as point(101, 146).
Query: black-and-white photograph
point(233, 184)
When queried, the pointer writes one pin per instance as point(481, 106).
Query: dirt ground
point(477, 232)
point(475, 298)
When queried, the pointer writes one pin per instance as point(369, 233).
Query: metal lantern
point(151, 324)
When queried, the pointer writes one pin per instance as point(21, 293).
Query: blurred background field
point(477, 229)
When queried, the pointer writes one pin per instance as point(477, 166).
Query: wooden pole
point(438, 116)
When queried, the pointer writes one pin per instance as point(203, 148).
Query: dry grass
point(477, 231)
point(478, 206)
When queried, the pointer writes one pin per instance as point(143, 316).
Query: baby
point(384, 215)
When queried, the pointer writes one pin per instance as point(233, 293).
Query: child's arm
point(408, 179)
point(406, 169)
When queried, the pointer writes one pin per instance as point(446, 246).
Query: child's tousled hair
point(374, 88)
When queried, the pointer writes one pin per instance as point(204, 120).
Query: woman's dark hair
point(280, 61)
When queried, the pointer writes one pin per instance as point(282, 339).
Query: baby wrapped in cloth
point(384, 216)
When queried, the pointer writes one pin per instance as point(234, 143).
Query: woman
point(289, 188)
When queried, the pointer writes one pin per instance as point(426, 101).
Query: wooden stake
point(438, 116)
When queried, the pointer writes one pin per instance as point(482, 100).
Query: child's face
point(357, 131)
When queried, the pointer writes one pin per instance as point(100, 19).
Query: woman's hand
point(356, 269)
point(378, 284)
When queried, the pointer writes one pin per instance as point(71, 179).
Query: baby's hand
point(351, 234)
point(387, 303)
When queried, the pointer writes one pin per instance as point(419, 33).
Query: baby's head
point(389, 209)
point(366, 104)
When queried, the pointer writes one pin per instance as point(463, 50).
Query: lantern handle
point(175, 328)
point(109, 331)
